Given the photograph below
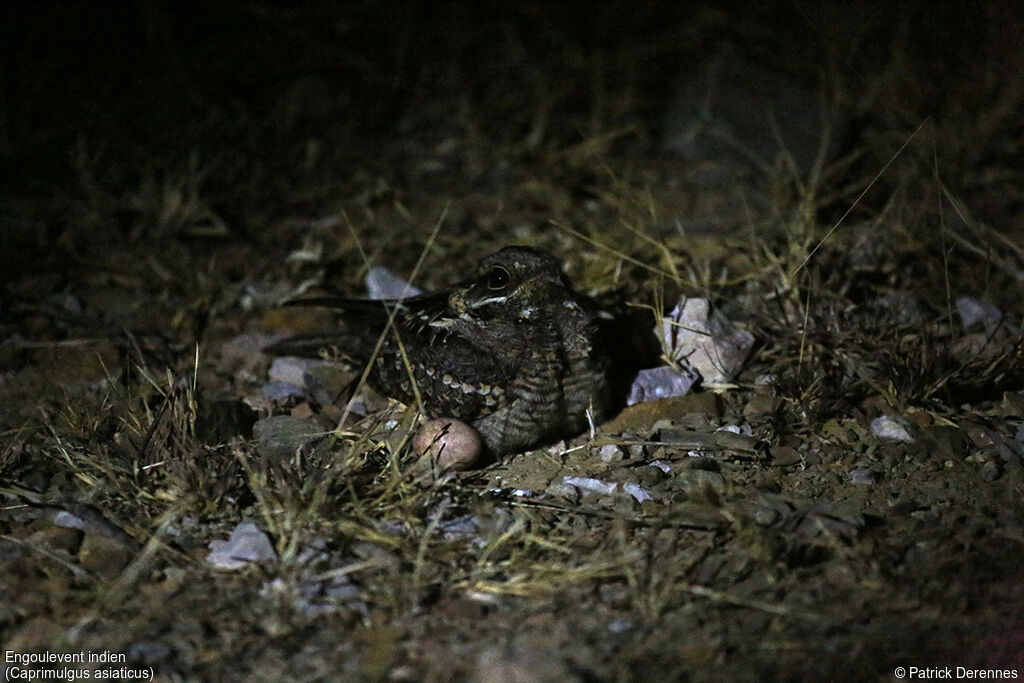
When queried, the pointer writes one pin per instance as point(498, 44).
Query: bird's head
point(516, 284)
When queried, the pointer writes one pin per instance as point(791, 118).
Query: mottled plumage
point(512, 349)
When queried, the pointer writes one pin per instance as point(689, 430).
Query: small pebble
point(972, 311)
point(991, 471)
point(451, 444)
point(246, 544)
point(620, 626)
point(637, 491)
point(744, 429)
point(611, 452)
point(591, 485)
point(862, 476)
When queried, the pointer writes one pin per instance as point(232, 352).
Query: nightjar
point(512, 350)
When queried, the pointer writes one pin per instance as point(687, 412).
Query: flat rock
point(281, 435)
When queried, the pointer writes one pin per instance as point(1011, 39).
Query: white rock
point(886, 427)
point(744, 429)
point(246, 544)
point(664, 381)
point(381, 283)
point(68, 520)
point(637, 491)
point(590, 485)
point(705, 340)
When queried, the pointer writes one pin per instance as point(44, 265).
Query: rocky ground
point(844, 186)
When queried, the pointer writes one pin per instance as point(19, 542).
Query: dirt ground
point(842, 181)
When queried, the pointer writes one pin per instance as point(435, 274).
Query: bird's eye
point(498, 277)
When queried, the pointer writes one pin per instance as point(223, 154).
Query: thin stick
point(860, 197)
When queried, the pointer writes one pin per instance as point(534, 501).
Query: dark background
point(147, 72)
point(138, 83)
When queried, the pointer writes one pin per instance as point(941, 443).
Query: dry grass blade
point(389, 326)
point(857, 201)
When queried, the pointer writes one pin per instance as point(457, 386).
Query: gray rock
point(278, 391)
point(696, 481)
point(638, 492)
point(246, 544)
point(381, 283)
point(973, 311)
point(894, 429)
point(991, 471)
point(319, 379)
point(705, 340)
point(661, 382)
point(863, 476)
point(281, 435)
point(591, 485)
point(611, 453)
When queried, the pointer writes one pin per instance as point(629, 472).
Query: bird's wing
point(360, 324)
point(439, 358)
